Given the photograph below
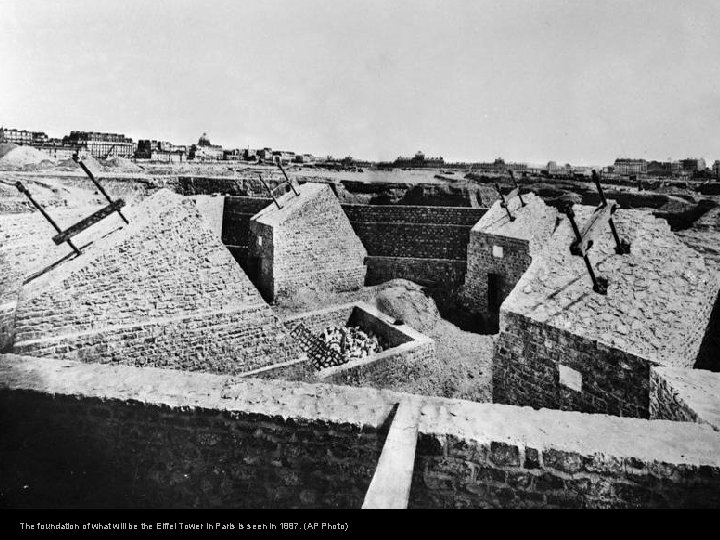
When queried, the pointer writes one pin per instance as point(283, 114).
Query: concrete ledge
point(390, 485)
point(686, 395)
point(188, 391)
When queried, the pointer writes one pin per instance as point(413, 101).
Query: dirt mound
point(406, 301)
point(67, 164)
point(23, 156)
point(121, 163)
point(6, 147)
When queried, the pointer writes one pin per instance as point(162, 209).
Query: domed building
point(205, 150)
point(204, 140)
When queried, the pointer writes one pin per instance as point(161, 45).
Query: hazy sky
point(578, 81)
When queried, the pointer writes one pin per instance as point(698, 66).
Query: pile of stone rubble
point(351, 342)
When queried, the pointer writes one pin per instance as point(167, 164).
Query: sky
point(572, 81)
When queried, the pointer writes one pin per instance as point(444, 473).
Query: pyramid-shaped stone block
point(308, 244)
point(163, 291)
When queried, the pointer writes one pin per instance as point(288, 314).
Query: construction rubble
point(351, 342)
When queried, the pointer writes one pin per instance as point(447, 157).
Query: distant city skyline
point(580, 82)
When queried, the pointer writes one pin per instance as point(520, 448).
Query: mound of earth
point(67, 164)
point(23, 156)
point(463, 369)
point(6, 147)
point(121, 163)
point(405, 300)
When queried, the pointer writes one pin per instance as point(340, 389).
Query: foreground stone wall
point(491, 456)
point(527, 365)
point(89, 435)
point(157, 439)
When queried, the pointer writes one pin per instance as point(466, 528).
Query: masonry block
point(307, 245)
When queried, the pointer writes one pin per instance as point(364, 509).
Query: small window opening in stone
point(259, 240)
point(571, 378)
point(498, 252)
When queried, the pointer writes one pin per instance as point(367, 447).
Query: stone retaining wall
point(90, 435)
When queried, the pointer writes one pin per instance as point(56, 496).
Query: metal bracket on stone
point(503, 202)
point(92, 175)
point(591, 230)
point(600, 284)
point(517, 188)
point(22, 189)
point(622, 247)
point(287, 180)
point(270, 191)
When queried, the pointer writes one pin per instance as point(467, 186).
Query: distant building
point(21, 136)
point(283, 156)
point(160, 151)
point(630, 167)
point(663, 168)
point(204, 150)
point(500, 166)
point(233, 154)
point(553, 169)
point(101, 145)
point(265, 154)
point(691, 165)
point(419, 161)
point(716, 168)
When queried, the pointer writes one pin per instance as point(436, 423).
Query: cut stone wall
point(426, 272)
point(89, 435)
point(513, 263)
point(313, 246)
point(494, 456)
point(421, 215)
point(427, 245)
point(529, 356)
point(150, 438)
point(162, 291)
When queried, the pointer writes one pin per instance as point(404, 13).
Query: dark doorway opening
point(495, 292)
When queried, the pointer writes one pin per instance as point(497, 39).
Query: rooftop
point(534, 221)
point(291, 204)
point(659, 296)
